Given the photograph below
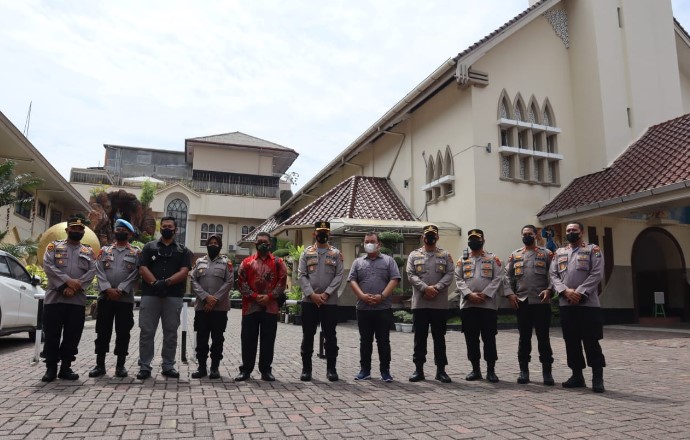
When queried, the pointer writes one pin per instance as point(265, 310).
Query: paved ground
point(648, 383)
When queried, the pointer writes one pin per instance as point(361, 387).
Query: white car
point(18, 307)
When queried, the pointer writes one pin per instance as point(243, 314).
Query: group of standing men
point(533, 274)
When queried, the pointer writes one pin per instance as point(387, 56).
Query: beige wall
point(227, 160)
point(21, 228)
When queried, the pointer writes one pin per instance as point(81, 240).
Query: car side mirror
point(35, 280)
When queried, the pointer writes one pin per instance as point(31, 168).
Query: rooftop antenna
point(28, 121)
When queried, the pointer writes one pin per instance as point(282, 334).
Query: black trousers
point(63, 325)
point(211, 324)
point(436, 318)
point(123, 316)
point(258, 327)
point(535, 317)
point(478, 322)
point(583, 328)
point(312, 315)
point(374, 323)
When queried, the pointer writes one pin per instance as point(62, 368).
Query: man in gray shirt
point(118, 279)
point(576, 272)
point(320, 276)
point(70, 267)
point(430, 271)
point(373, 278)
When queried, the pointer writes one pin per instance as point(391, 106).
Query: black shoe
point(523, 378)
point(491, 376)
point(441, 376)
point(598, 380)
point(474, 375)
point(98, 371)
point(66, 373)
point(267, 376)
point(546, 374)
point(143, 374)
point(417, 376)
point(50, 375)
point(332, 375)
point(214, 373)
point(121, 371)
point(242, 376)
point(172, 373)
point(200, 372)
point(305, 376)
point(575, 381)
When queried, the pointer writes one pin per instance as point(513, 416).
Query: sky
point(308, 75)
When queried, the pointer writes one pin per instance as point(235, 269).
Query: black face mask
point(263, 248)
point(75, 236)
point(528, 240)
point(213, 251)
point(573, 237)
point(121, 236)
point(167, 233)
point(322, 238)
point(430, 239)
point(475, 245)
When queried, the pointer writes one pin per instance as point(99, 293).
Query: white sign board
point(659, 298)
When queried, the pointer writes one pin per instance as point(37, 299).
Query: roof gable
point(239, 139)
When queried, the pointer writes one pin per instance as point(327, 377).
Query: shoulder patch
point(51, 247)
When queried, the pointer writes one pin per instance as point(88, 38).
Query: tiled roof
point(241, 139)
point(269, 225)
point(661, 157)
point(358, 197)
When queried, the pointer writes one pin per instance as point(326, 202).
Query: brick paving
point(648, 385)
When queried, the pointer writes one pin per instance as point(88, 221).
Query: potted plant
point(406, 325)
point(398, 317)
point(295, 310)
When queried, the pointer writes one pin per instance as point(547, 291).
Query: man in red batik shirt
point(261, 280)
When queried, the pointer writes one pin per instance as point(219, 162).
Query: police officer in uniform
point(212, 279)
point(118, 277)
point(576, 272)
point(70, 267)
point(163, 265)
point(320, 275)
point(430, 270)
point(479, 276)
point(528, 290)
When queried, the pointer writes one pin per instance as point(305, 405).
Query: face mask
point(167, 233)
point(528, 240)
point(75, 236)
point(430, 239)
point(321, 238)
point(475, 245)
point(213, 251)
point(121, 236)
point(369, 248)
point(573, 237)
point(263, 248)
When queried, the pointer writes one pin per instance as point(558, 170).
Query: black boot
point(99, 369)
point(546, 373)
point(200, 370)
point(523, 378)
point(66, 372)
point(51, 372)
point(120, 370)
point(577, 380)
point(331, 372)
point(306, 369)
point(441, 375)
point(598, 380)
point(491, 372)
point(418, 374)
point(214, 373)
point(476, 373)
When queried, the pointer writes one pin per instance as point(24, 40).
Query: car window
point(19, 272)
point(4, 267)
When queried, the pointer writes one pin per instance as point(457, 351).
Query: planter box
point(406, 328)
point(397, 326)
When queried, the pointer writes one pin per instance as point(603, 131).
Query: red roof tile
point(659, 158)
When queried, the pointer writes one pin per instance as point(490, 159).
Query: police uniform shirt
point(63, 261)
point(426, 269)
point(320, 270)
point(482, 273)
point(373, 275)
point(527, 273)
point(116, 267)
point(582, 269)
point(213, 278)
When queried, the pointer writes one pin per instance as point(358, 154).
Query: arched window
point(177, 209)
point(448, 170)
point(210, 229)
point(430, 172)
point(245, 230)
point(204, 234)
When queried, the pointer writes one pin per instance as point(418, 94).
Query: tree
point(148, 191)
point(11, 185)
point(21, 249)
